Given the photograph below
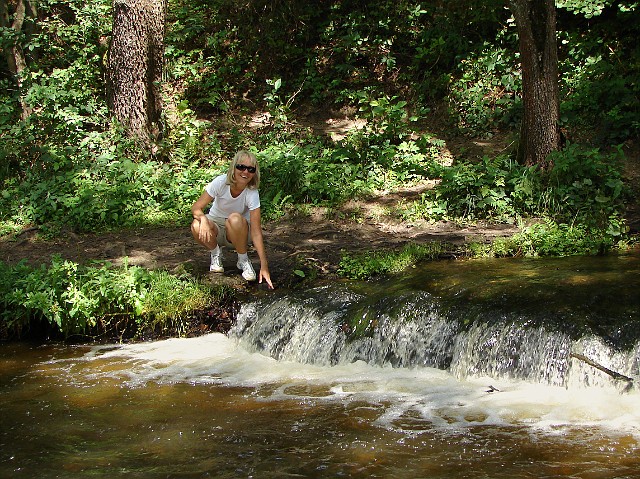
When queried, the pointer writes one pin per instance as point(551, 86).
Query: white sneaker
point(247, 270)
point(216, 263)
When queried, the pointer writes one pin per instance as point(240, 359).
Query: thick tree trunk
point(540, 132)
point(14, 54)
point(134, 67)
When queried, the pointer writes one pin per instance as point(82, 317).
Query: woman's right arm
point(197, 210)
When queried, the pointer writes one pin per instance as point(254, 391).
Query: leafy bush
point(307, 173)
point(72, 299)
point(486, 96)
point(599, 70)
point(584, 186)
point(553, 239)
point(498, 189)
point(97, 299)
point(62, 84)
point(601, 99)
point(109, 191)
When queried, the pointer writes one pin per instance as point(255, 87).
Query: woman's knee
point(195, 228)
point(237, 223)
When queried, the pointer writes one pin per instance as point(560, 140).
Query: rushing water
point(460, 370)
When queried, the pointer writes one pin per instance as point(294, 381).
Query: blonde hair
point(238, 157)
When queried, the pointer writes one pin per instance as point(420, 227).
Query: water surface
point(217, 406)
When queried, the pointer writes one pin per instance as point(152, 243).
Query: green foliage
point(599, 70)
point(553, 239)
point(497, 189)
point(388, 144)
point(601, 96)
point(96, 299)
point(486, 95)
point(368, 264)
point(62, 84)
point(220, 49)
point(308, 173)
point(170, 301)
point(387, 152)
point(187, 141)
point(108, 192)
point(71, 298)
point(584, 186)
point(588, 8)
point(327, 50)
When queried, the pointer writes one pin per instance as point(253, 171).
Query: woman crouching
point(234, 217)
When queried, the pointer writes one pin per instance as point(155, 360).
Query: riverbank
point(303, 249)
point(312, 242)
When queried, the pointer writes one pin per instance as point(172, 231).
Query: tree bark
point(540, 130)
point(134, 67)
point(14, 54)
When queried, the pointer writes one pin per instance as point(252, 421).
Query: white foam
point(425, 395)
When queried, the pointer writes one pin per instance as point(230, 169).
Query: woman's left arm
point(258, 244)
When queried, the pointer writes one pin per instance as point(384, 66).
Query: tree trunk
point(540, 131)
point(14, 54)
point(134, 67)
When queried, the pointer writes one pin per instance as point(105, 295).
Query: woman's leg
point(212, 243)
point(238, 232)
point(237, 228)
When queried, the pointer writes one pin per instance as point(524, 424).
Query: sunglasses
point(250, 169)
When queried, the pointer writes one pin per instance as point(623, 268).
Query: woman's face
point(244, 172)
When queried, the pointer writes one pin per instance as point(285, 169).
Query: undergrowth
point(99, 300)
point(372, 263)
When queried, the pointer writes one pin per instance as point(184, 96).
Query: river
point(457, 370)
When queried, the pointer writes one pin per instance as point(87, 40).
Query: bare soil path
point(297, 241)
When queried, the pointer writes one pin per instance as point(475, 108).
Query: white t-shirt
point(224, 204)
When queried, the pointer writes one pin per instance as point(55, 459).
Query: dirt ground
point(313, 241)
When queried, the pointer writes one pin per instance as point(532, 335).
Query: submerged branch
point(590, 362)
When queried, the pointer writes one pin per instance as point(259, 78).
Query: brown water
point(209, 407)
point(199, 413)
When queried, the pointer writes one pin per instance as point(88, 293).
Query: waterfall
point(510, 350)
point(414, 329)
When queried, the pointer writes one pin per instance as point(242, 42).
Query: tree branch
point(590, 362)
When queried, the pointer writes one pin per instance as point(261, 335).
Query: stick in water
point(590, 362)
